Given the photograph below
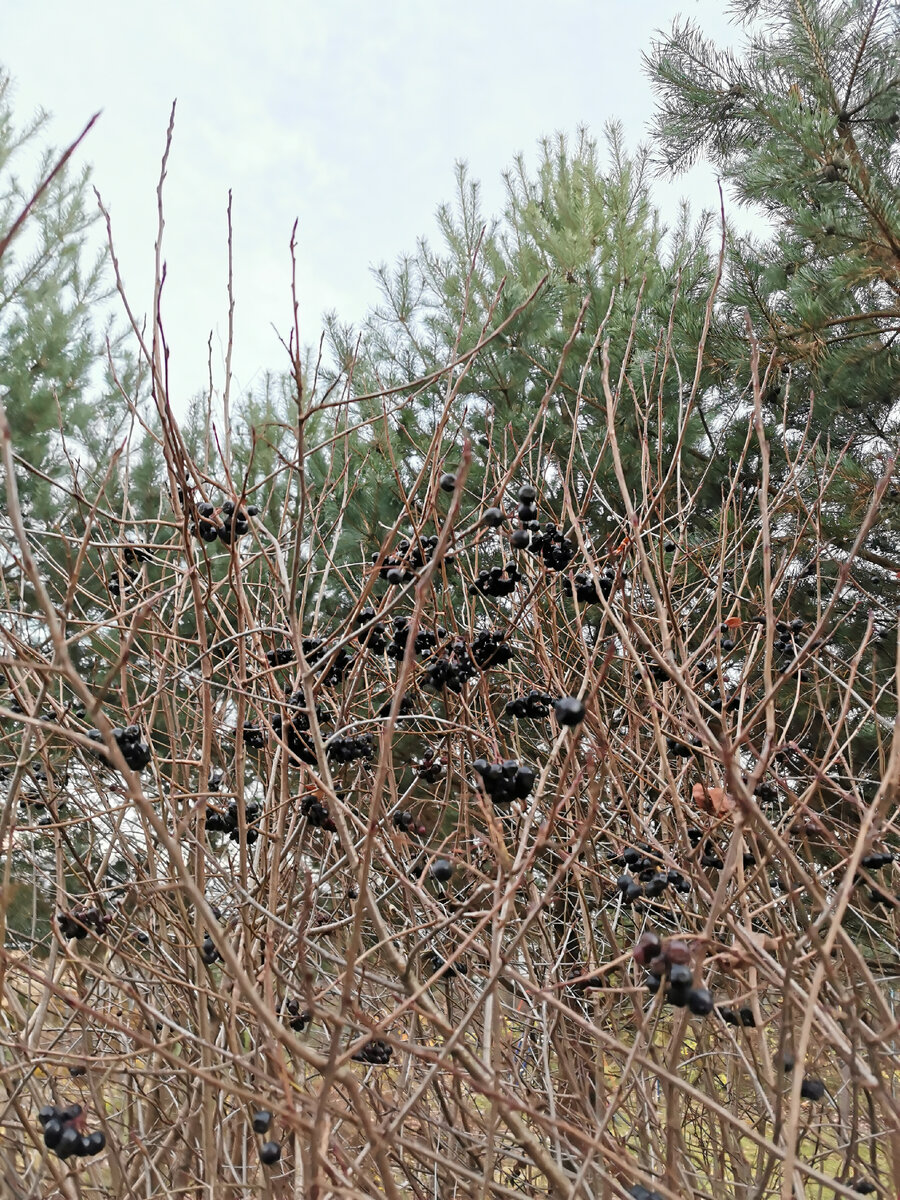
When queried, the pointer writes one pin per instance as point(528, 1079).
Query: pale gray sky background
point(347, 115)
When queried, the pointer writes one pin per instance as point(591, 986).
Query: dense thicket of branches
point(289, 819)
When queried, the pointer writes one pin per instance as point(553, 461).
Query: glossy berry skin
point(447, 482)
point(269, 1152)
point(53, 1130)
point(700, 1001)
point(441, 870)
point(569, 710)
point(96, 1142)
point(69, 1142)
point(261, 1121)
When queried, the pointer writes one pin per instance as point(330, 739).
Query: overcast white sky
point(347, 115)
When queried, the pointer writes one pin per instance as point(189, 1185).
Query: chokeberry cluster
point(316, 812)
point(137, 753)
point(254, 737)
point(208, 951)
point(425, 640)
point(669, 960)
point(743, 1016)
point(375, 638)
point(80, 921)
point(64, 1132)
point(225, 523)
point(411, 557)
point(505, 781)
point(532, 706)
point(292, 726)
point(296, 1017)
point(549, 543)
point(452, 669)
point(431, 768)
point(376, 1052)
point(585, 590)
point(349, 749)
point(229, 822)
point(121, 578)
point(491, 649)
point(648, 878)
point(496, 582)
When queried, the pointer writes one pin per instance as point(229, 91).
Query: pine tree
point(802, 125)
point(579, 246)
point(803, 128)
point(63, 407)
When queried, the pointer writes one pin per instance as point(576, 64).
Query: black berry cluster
point(744, 1016)
point(135, 554)
point(349, 749)
point(63, 1132)
point(137, 754)
point(404, 820)
point(505, 781)
point(669, 960)
point(491, 649)
point(121, 579)
point(254, 737)
point(280, 657)
point(80, 921)
point(374, 639)
point(431, 768)
point(293, 726)
point(647, 879)
point(424, 643)
point(376, 1051)
point(452, 669)
point(228, 821)
point(585, 591)
point(498, 581)
point(316, 812)
point(225, 523)
point(296, 1017)
point(402, 567)
point(548, 544)
point(532, 706)
point(874, 862)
